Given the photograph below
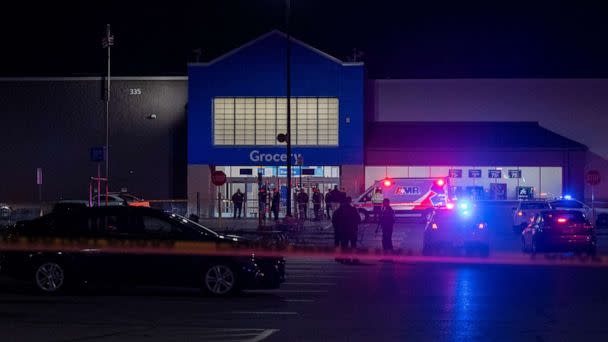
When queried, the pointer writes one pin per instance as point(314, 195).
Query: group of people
point(332, 199)
point(344, 216)
point(346, 221)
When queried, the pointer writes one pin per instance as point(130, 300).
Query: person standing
point(274, 206)
point(328, 203)
point(302, 200)
point(346, 223)
point(237, 201)
point(386, 222)
point(262, 200)
point(317, 199)
point(377, 200)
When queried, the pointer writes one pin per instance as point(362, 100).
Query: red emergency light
point(387, 182)
point(440, 182)
point(561, 220)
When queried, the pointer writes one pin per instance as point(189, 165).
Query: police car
point(457, 227)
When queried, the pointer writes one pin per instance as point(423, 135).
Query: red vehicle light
point(440, 182)
point(450, 205)
point(387, 182)
point(561, 220)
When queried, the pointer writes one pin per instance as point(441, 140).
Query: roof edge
point(92, 78)
point(268, 34)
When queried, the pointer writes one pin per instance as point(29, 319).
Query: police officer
point(237, 200)
point(386, 222)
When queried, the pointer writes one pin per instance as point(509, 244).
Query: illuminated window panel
point(257, 121)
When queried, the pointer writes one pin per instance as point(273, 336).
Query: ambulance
point(410, 197)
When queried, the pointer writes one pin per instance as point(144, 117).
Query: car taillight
point(440, 182)
point(434, 226)
point(561, 220)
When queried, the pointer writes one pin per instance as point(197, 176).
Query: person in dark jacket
point(386, 222)
point(237, 199)
point(346, 221)
point(302, 200)
point(274, 206)
point(317, 199)
point(262, 200)
point(328, 203)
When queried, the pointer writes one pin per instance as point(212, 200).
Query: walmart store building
point(237, 106)
point(169, 133)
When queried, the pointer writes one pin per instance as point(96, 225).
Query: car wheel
point(220, 280)
point(364, 216)
point(50, 277)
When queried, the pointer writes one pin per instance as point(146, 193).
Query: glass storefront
point(483, 182)
point(246, 179)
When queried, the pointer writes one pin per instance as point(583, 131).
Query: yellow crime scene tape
point(324, 252)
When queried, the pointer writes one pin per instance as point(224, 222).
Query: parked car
point(571, 204)
point(119, 198)
point(559, 230)
point(460, 227)
point(54, 271)
point(525, 212)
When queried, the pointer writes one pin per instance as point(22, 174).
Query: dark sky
point(401, 39)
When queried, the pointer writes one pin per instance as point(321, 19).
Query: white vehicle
point(525, 212)
point(410, 197)
point(572, 204)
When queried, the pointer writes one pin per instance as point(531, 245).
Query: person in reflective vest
point(377, 199)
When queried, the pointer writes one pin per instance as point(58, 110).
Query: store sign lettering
point(257, 156)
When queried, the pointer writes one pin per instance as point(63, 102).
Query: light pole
point(107, 43)
point(288, 76)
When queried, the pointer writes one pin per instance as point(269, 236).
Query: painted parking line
point(298, 300)
point(288, 291)
point(264, 312)
point(298, 283)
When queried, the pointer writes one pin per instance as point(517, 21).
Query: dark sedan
point(459, 227)
point(559, 230)
point(134, 229)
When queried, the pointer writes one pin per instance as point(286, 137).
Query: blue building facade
point(237, 106)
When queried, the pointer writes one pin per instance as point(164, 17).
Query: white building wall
point(574, 108)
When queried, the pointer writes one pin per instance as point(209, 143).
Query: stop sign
point(218, 178)
point(593, 177)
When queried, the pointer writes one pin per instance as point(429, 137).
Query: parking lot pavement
point(165, 314)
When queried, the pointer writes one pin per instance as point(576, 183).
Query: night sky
point(400, 39)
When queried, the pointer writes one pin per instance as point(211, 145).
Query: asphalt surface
point(451, 299)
